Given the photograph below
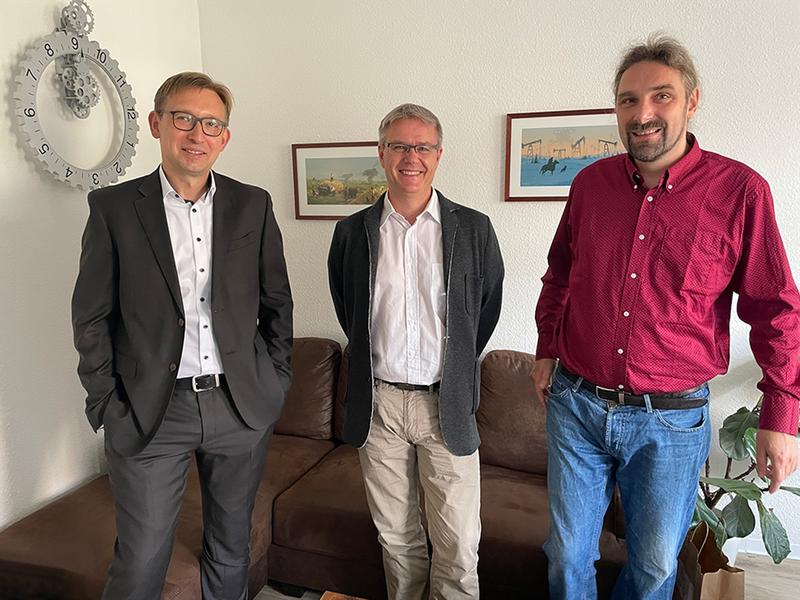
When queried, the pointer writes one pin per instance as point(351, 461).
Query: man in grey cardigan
point(417, 284)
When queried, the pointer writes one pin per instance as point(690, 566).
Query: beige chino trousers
point(404, 447)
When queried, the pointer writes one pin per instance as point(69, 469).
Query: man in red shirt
point(636, 308)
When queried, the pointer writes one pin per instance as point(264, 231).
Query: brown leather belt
point(660, 400)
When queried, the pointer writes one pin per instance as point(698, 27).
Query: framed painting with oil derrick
point(545, 150)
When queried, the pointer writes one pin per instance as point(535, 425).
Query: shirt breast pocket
point(700, 261)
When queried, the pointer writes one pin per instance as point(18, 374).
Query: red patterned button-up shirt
point(640, 282)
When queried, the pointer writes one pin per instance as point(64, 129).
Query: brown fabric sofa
point(311, 523)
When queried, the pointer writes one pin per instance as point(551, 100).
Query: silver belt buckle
point(196, 389)
point(620, 401)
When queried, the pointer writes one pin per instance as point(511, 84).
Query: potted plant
point(736, 519)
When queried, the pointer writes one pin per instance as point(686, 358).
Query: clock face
point(79, 53)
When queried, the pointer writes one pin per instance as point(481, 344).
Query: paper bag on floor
point(704, 572)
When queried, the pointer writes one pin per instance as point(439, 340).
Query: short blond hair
point(193, 79)
point(409, 111)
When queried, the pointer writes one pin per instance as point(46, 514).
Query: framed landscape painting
point(545, 150)
point(332, 181)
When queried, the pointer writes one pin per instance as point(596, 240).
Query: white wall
point(312, 71)
point(46, 444)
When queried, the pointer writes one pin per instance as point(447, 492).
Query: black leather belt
point(660, 401)
point(200, 383)
point(412, 387)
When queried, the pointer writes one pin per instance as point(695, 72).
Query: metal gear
point(77, 17)
point(86, 90)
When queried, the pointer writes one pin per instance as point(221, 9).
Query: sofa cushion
point(510, 421)
point(515, 524)
point(64, 549)
point(288, 459)
point(326, 511)
point(514, 520)
point(308, 410)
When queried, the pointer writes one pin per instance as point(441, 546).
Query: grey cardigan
point(474, 283)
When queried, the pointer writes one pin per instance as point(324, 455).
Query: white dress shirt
point(190, 232)
point(409, 298)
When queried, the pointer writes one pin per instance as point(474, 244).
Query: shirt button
point(180, 322)
point(636, 187)
point(633, 275)
point(173, 367)
point(620, 351)
point(198, 239)
point(202, 270)
point(649, 198)
point(626, 314)
point(194, 210)
point(205, 326)
point(202, 299)
point(620, 387)
point(641, 237)
point(205, 357)
point(669, 186)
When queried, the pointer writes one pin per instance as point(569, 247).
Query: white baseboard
point(755, 546)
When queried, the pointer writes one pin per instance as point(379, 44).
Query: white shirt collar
point(170, 193)
point(433, 208)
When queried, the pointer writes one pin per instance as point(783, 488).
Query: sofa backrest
point(308, 411)
point(510, 421)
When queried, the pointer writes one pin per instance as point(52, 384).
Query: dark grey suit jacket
point(474, 282)
point(127, 311)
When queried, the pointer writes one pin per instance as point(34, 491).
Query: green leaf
point(794, 490)
point(772, 532)
point(714, 522)
point(731, 435)
point(738, 518)
point(745, 489)
point(696, 519)
point(750, 442)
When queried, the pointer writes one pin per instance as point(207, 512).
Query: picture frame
point(336, 179)
point(545, 150)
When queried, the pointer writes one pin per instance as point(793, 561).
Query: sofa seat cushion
point(326, 511)
point(64, 549)
point(515, 524)
point(288, 459)
point(514, 518)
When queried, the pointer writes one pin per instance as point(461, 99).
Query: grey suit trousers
point(148, 488)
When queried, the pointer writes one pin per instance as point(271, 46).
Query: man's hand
point(776, 456)
point(541, 375)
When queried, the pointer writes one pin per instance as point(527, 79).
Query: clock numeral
point(95, 178)
point(29, 112)
point(74, 42)
point(49, 49)
point(117, 168)
point(131, 114)
point(44, 149)
point(29, 73)
point(69, 172)
point(130, 144)
point(120, 81)
point(102, 56)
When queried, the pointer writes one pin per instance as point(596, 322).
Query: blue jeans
point(653, 455)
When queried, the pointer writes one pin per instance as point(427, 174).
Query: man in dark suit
point(417, 282)
point(182, 315)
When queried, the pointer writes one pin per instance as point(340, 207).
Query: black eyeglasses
point(184, 121)
point(420, 149)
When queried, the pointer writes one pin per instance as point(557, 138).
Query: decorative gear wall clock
point(74, 55)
